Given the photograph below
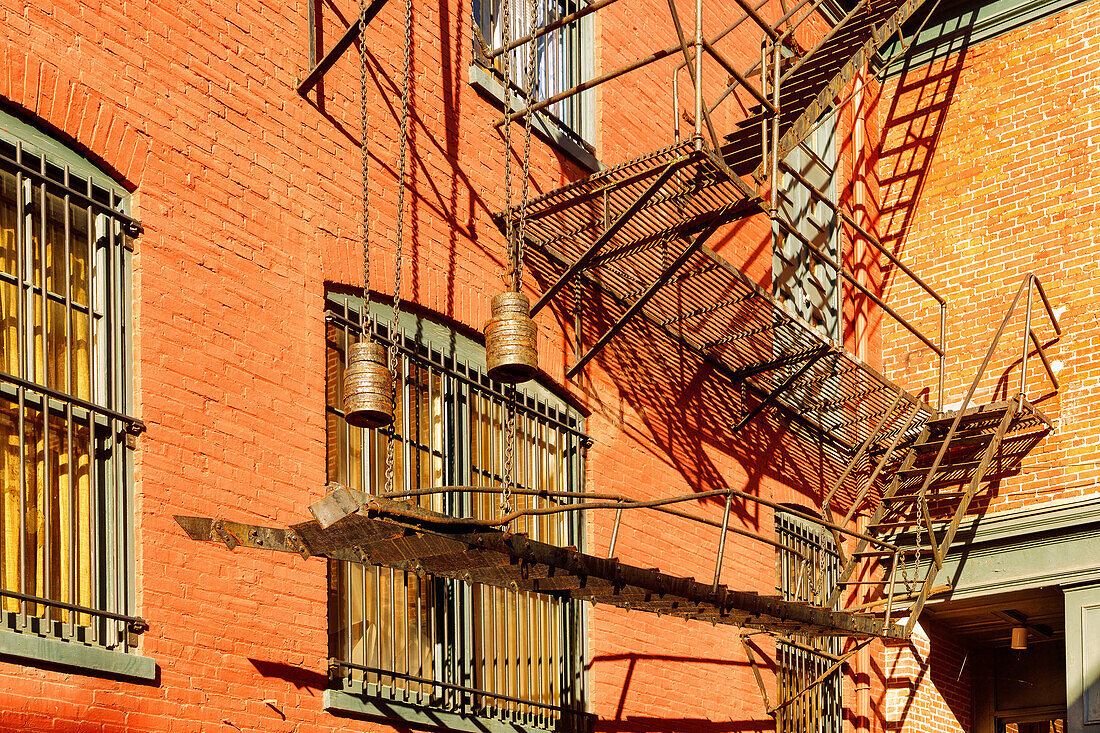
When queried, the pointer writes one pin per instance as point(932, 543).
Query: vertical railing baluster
point(23, 299)
point(43, 495)
point(94, 527)
point(71, 390)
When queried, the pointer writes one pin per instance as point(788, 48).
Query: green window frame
point(564, 58)
point(66, 405)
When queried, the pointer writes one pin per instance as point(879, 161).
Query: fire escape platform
point(675, 192)
point(729, 320)
point(358, 527)
point(638, 233)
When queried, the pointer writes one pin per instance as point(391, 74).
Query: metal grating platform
point(719, 312)
point(636, 232)
point(353, 526)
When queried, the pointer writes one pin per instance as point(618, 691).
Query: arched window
point(467, 648)
point(808, 573)
point(66, 544)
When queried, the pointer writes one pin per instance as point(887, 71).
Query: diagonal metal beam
point(758, 19)
point(771, 365)
point(637, 305)
point(820, 678)
point(594, 249)
point(810, 361)
point(350, 35)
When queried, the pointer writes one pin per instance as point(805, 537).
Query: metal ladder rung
point(929, 497)
point(991, 415)
point(963, 440)
point(942, 468)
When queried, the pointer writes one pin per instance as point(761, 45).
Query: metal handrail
point(1031, 284)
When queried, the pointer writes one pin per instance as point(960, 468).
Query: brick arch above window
point(53, 100)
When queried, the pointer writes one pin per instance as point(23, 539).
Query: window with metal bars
point(464, 647)
point(66, 544)
point(563, 58)
point(808, 571)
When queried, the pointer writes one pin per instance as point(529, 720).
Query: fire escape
point(634, 237)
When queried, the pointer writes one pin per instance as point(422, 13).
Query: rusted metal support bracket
point(784, 386)
point(756, 673)
point(350, 35)
point(608, 234)
point(638, 304)
point(236, 534)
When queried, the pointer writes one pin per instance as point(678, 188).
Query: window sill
point(485, 83)
point(25, 648)
point(410, 713)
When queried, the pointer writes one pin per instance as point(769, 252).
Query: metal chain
point(529, 99)
point(506, 62)
point(916, 555)
point(401, 185)
point(363, 126)
point(905, 581)
point(509, 450)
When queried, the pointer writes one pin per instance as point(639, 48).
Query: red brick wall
point(928, 684)
point(249, 196)
point(986, 175)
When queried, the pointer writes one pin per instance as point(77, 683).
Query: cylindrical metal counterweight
point(368, 386)
point(511, 340)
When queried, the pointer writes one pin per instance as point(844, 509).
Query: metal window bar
point(489, 650)
point(808, 577)
point(66, 543)
point(560, 62)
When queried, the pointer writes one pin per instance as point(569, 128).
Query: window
point(804, 283)
point(808, 573)
point(467, 648)
point(563, 59)
point(66, 545)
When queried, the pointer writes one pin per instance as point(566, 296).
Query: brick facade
point(249, 196)
point(986, 174)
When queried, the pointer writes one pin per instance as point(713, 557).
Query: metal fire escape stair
point(350, 525)
point(928, 491)
point(927, 487)
point(638, 233)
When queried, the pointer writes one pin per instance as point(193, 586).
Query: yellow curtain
point(45, 547)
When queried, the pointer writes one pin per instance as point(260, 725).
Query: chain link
point(509, 450)
point(506, 64)
point(916, 554)
point(908, 584)
point(402, 174)
point(529, 99)
point(363, 127)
